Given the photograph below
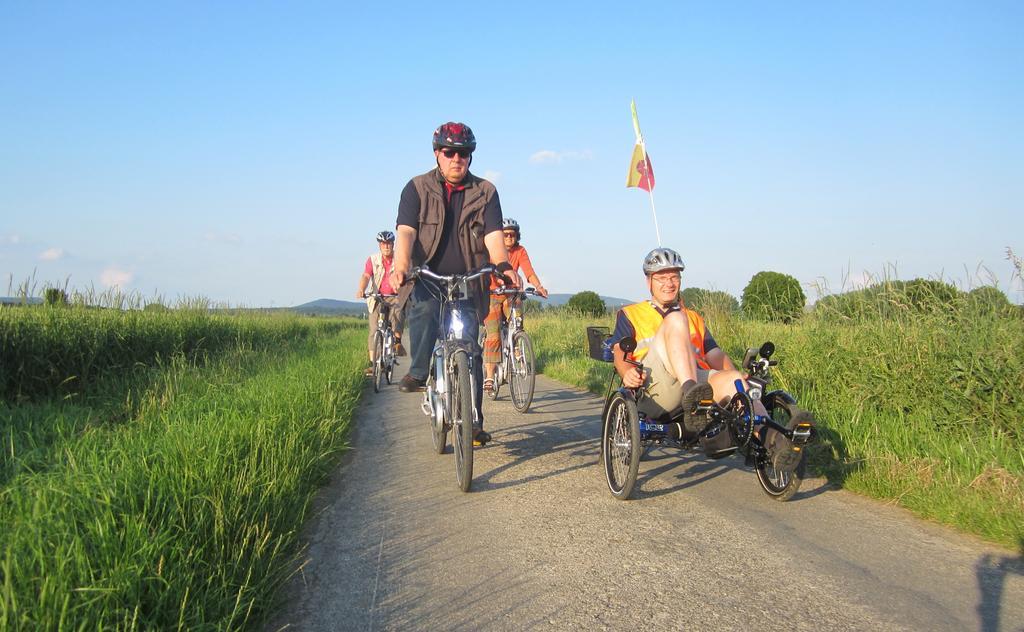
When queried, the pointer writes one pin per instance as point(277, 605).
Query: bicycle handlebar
point(449, 279)
point(378, 295)
point(510, 291)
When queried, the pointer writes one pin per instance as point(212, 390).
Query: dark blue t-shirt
point(448, 258)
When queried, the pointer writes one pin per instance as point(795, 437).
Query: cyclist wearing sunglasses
point(449, 220)
point(499, 305)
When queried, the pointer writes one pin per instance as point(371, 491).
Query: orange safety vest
point(646, 320)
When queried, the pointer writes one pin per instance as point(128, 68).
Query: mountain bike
point(516, 367)
point(450, 395)
point(384, 360)
point(731, 428)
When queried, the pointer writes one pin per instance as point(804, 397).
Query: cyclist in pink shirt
point(378, 271)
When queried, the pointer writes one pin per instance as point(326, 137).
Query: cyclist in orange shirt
point(499, 308)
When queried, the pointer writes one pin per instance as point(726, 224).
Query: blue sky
point(249, 152)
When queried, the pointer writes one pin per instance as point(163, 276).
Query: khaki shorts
point(664, 392)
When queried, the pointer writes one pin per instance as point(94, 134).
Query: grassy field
point(922, 409)
point(156, 467)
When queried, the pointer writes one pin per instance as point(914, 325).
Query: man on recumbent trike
point(682, 364)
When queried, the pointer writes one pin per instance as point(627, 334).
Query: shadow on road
point(537, 440)
point(992, 571)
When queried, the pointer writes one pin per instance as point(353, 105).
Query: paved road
point(539, 543)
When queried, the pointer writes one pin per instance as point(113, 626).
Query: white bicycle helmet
point(663, 259)
point(510, 224)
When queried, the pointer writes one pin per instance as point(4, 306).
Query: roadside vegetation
point(156, 465)
point(916, 385)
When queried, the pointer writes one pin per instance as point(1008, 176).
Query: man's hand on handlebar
point(634, 378)
point(500, 270)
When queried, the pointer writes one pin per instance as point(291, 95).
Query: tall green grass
point(920, 407)
point(170, 496)
point(57, 350)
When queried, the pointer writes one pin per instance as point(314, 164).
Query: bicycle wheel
point(389, 356)
point(378, 360)
point(462, 408)
point(778, 484)
point(499, 375)
point(620, 445)
point(522, 378)
point(438, 428)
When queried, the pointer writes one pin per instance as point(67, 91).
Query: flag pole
point(643, 147)
point(650, 192)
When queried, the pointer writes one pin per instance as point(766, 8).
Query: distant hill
point(556, 300)
point(17, 300)
point(331, 306)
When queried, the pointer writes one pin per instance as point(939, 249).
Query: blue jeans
point(421, 324)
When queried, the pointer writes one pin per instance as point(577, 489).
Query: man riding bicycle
point(683, 365)
point(449, 220)
point(499, 308)
point(378, 271)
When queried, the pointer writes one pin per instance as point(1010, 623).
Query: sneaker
point(480, 436)
point(409, 384)
point(369, 371)
point(692, 421)
point(489, 385)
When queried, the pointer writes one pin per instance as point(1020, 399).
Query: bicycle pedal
point(802, 434)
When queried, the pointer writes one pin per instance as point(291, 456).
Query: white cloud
point(115, 277)
point(547, 156)
point(51, 254)
point(493, 176)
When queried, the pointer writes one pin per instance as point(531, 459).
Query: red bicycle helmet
point(454, 135)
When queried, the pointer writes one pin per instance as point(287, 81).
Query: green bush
point(773, 296)
point(531, 306)
point(587, 303)
point(893, 299)
point(55, 296)
point(987, 299)
point(710, 300)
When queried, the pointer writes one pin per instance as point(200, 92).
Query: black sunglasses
point(450, 153)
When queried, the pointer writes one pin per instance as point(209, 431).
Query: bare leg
point(724, 384)
point(674, 348)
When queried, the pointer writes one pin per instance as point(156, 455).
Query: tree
point(55, 296)
point(709, 300)
point(587, 303)
point(531, 306)
point(987, 299)
point(773, 296)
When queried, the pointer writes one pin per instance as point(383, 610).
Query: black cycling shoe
point(480, 436)
point(409, 384)
point(699, 393)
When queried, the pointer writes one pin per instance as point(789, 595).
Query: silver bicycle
point(517, 365)
point(383, 342)
point(450, 395)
